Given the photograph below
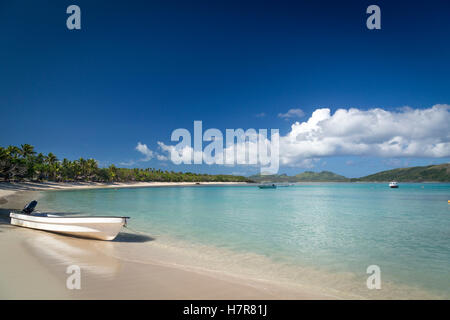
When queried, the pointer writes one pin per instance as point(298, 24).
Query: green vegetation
point(309, 176)
point(272, 178)
point(320, 176)
point(23, 163)
point(439, 173)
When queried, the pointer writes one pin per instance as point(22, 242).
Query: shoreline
point(36, 261)
point(8, 188)
point(139, 266)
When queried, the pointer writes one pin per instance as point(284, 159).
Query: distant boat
point(285, 185)
point(267, 186)
point(393, 184)
point(100, 228)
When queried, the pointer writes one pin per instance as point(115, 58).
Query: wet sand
point(133, 266)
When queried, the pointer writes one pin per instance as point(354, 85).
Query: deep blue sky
point(139, 69)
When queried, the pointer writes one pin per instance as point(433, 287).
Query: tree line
point(24, 163)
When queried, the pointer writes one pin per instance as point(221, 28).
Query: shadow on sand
point(4, 215)
point(132, 237)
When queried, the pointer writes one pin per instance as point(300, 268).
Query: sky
point(344, 98)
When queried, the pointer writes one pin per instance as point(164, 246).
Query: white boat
point(393, 184)
point(101, 228)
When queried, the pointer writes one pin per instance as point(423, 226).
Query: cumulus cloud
point(405, 132)
point(292, 113)
point(148, 155)
point(142, 148)
point(127, 163)
point(185, 154)
point(161, 157)
point(375, 132)
point(260, 115)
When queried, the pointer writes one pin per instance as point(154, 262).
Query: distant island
point(307, 176)
point(437, 173)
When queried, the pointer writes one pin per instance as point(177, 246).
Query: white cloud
point(127, 163)
point(161, 157)
point(375, 132)
point(307, 163)
point(149, 154)
point(184, 154)
point(260, 115)
point(142, 148)
point(406, 132)
point(292, 113)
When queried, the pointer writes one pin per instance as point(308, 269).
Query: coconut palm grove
point(24, 163)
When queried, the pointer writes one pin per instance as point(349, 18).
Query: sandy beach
point(133, 266)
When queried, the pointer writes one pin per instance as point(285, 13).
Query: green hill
point(320, 176)
point(272, 178)
point(307, 176)
point(439, 173)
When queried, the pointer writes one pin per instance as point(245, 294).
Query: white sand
point(7, 188)
point(34, 262)
point(135, 266)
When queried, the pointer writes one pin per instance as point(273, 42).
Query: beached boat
point(267, 186)
point(393, 184)
point(100, 228)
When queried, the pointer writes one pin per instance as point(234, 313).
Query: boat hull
point(100, 228)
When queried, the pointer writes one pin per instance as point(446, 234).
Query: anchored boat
point(267, 186)
point(393, 184)
point(100, 228)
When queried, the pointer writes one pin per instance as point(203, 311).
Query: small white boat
point(100, 228)
point(393, 184)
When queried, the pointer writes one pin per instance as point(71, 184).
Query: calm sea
point(327, 231)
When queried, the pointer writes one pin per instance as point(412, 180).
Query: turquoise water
point(334, 227)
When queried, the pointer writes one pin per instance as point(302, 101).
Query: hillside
point(307, 176)
point(439, 173)
point(320, 176)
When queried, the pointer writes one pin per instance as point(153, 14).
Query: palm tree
point(91, 168)
point(82, 168)
point(23, 162)
point(11, 164)
point(112, 173)
point(13, 151)
point(52, 166)
point(67, 169)
point(51, 159)
point(27, 150)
